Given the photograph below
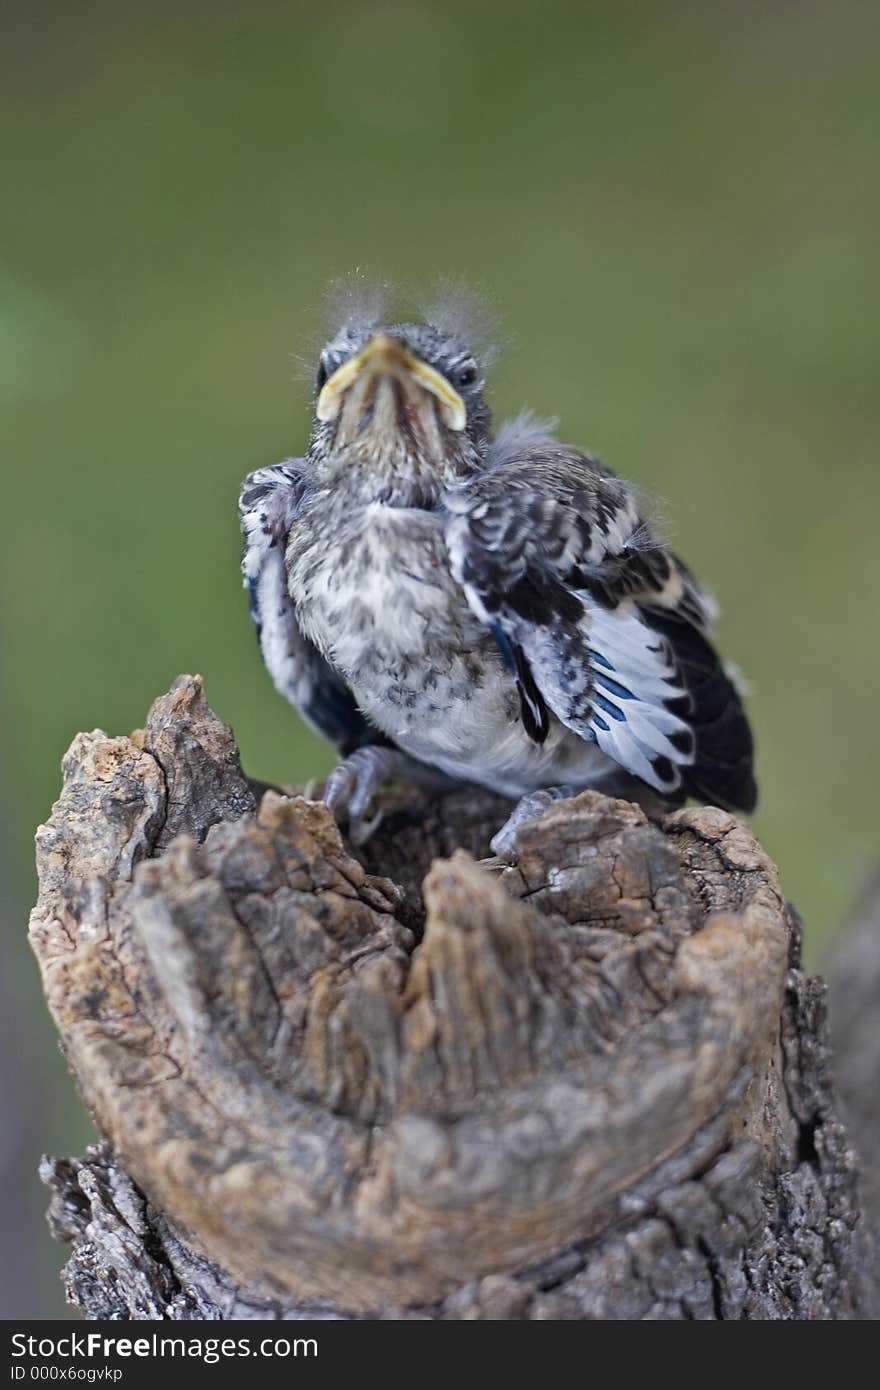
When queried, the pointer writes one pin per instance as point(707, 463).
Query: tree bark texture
point(419, 1083)
point(855, 1019)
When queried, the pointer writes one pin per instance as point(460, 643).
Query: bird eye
point(467, 375)
point(323, 374)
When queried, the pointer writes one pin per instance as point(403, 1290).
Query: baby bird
point(446, 604)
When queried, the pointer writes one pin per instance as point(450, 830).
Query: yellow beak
point(385, 356)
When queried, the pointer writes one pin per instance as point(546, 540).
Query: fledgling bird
point(446, 603)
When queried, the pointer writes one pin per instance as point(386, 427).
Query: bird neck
point(399, 477)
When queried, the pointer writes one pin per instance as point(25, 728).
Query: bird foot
point(529, 807)
point(352, 786)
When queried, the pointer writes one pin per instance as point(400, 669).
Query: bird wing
point(267, 505)
point(598, 621)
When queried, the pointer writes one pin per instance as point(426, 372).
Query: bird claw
point(360, 829)
point(352, 786)
point(493, 865)
point(529, 807)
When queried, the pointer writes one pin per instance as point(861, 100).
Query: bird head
point(400, 408)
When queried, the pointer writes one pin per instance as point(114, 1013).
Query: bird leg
point(529, 807)
point(354, 783)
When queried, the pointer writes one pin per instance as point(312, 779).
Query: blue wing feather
point(554, 557)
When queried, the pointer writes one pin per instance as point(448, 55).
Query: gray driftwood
point(592, 1085)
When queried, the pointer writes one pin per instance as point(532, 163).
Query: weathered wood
point(593, 1084)
point(855, 1019)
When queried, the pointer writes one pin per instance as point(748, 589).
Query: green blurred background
point(676, 209)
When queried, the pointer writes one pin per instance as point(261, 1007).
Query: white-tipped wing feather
point(599, 622)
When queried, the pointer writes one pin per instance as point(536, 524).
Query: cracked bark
point(412, 1085)
point(855, 1014)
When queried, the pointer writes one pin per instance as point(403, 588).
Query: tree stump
point(409, 1084)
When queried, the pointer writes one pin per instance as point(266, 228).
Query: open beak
point(385, 357)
